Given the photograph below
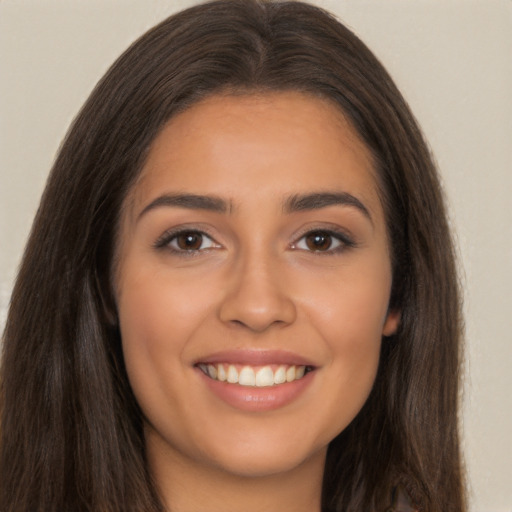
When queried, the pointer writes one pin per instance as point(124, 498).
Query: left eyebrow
point(318, 200)
point(188, 201)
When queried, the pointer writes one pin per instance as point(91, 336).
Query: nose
point(257, 297)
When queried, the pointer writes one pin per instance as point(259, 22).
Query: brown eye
point(186, 242)
point(324, 241)
point(318, 241)
point(189, 241)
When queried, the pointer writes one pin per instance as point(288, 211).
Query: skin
point(253, 282)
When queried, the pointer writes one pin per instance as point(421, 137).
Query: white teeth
point(212, 371)
point(290, 374)
point(265, 377)
point(232, 376)
point(250, 376)
point(280, 375)
point(221, 373)
point(247, 377)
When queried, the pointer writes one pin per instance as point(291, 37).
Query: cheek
point(146, 334)
point(348, 314)
point(354, 344)
point(350, 309)
point(157, 309)
point(156, 316)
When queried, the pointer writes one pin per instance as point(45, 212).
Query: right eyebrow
point(189, 201)
point(319, 200)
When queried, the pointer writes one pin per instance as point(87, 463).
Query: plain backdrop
point(453, 62)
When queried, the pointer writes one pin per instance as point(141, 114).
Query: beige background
point(452, 60)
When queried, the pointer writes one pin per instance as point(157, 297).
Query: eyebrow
point(294, 203)
point(189, 201)
point(319, 200)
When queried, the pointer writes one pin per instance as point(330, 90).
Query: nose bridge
point(257, 296)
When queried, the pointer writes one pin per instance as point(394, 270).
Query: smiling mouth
point(256, 376)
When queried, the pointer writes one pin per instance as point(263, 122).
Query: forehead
point(275, 143)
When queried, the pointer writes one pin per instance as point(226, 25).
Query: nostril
point(257, 313)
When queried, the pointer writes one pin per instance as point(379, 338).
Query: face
point(253, 283)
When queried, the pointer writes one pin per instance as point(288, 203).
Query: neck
point(189, 486)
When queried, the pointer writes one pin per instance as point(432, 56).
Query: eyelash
point(344, 241)
point(165, 241)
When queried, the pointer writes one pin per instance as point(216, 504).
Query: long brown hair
point(71, 430)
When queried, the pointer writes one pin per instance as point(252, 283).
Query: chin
point(267, 464)
point(264, 452)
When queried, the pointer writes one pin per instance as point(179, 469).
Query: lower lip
point(258, 399)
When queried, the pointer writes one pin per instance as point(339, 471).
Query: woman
point(239, 291)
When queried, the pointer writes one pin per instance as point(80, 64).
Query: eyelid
point(164, 240)
point(346, 240)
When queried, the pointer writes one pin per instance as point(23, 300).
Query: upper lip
point(253, 357)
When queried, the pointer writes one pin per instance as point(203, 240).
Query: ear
point(392, 322)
